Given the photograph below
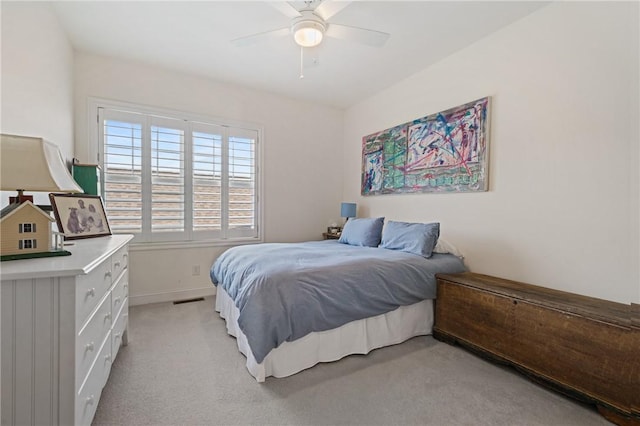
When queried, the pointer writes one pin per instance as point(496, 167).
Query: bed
point(293, 305)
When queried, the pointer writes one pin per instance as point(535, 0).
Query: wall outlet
point(195, 270)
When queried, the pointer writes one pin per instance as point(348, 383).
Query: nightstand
point(327, 236)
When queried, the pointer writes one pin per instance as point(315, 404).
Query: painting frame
point(76, 223)
point(443, 152)
point(334, 230)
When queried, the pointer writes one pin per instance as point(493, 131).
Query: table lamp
point(32, 164)
point(347, 210)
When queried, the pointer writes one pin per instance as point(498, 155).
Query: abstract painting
point(442, 152)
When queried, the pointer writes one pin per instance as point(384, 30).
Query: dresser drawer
point(119, 261)
point(119, 293)
point(105, 360)
point(91, 288)
point(89, 394)
point(91, 336)
point(119, 327)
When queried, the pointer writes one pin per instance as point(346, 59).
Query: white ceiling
point(195, 37)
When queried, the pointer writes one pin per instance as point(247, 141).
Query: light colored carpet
point(182, 368)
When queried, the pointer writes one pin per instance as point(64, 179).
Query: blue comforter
point(285, 291)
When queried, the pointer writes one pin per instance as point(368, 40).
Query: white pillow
point(444, 246)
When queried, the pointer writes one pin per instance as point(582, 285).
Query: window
point(27, 227)
point(27, 244)
point(175, 179)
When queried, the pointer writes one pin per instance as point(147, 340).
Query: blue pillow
point(416, 238)
point(362, 232)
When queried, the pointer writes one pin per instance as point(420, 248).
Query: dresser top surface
point(85, 255)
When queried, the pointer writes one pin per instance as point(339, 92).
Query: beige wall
point(302, 181)
point(36, 90)
point(37, 78)
point(562, 209)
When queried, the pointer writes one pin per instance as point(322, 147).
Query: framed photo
point(334, 230)
point(80, 216)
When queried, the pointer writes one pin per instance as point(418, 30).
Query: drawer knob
point(107, 357)
point(90, 400)
point(126, 286)
point(107, 316)
point(91, 292)
point(89, 347)
point(117, 264)
point(124, 256)
point(117, 335)
point(116, 301)
point(107, 274)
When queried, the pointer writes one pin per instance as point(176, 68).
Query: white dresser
point(63, 321)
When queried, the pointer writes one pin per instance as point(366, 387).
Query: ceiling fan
point(309, 25)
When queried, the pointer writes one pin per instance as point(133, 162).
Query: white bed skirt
point(356, 337)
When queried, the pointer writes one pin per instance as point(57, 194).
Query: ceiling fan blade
point(329, 8)
point(360, 35)
point(285, 8)
point(260, 37)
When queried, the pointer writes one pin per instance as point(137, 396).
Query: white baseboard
point(170, 296)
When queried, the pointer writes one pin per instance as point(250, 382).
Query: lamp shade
point(33, 164)
point(348, 210)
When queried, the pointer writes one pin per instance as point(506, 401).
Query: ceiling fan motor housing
point(308, 29)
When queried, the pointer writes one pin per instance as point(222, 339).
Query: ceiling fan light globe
point(308, 37)
point(308, 30)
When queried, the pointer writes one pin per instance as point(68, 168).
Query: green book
point(88, 177)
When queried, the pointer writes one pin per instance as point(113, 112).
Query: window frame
point(22, 228)
point(192, 122)
point(22, 244)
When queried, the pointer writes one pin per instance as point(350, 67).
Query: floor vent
point(197, 299)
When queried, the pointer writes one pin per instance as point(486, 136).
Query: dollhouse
point(25, 228)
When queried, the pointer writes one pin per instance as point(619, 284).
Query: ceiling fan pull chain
point(301, 62)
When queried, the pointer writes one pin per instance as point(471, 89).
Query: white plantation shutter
point(207, 178)
point(122, 170)
point(168, 179)
point(241, 182)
